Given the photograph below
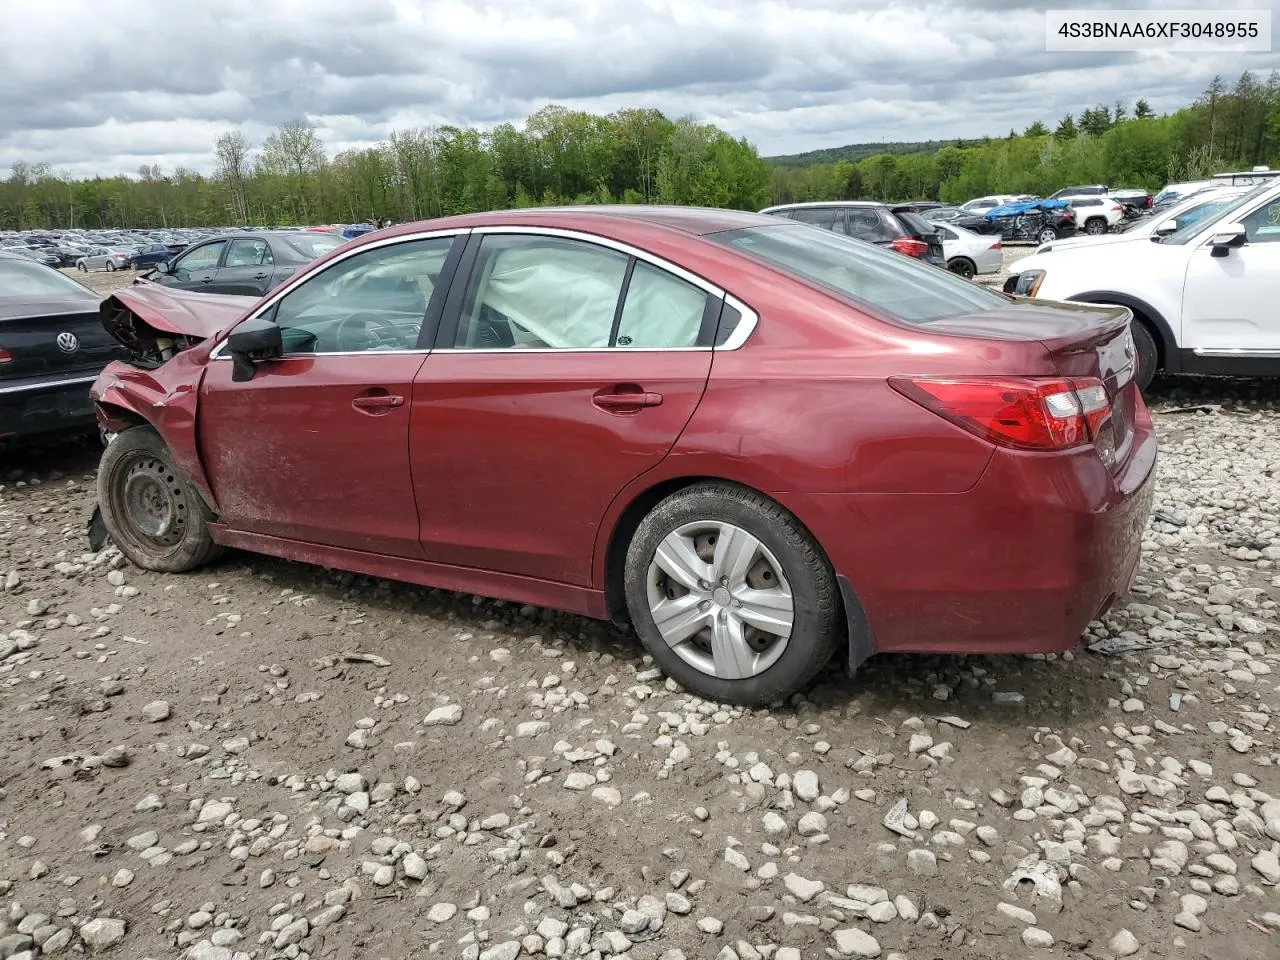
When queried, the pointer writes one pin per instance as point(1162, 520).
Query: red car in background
point(764, 444)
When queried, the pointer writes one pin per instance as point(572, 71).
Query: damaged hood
point(165, 310)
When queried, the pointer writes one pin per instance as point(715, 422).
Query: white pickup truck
point(1205, 295)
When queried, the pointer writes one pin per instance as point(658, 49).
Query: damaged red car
point(765, 445)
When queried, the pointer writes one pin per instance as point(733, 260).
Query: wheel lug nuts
point(705, 605)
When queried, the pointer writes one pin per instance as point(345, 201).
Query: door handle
point(206, 279)
point(259, 276)
point(379, 403)
point(617, 400)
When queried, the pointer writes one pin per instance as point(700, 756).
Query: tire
point(111, 267)
point(82, 268)
point(962, 266)
point(139, 482)
point(1047, 235)
point(1095, 227)
point(768, 668)
point(1144, 345)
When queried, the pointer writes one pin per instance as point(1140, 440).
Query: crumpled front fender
point(166, 399)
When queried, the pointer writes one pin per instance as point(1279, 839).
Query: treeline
point(561, 156)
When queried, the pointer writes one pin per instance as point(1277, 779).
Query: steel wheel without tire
point(153, 513)
point(731, 595)
point(1047, 235)
point(962, 267)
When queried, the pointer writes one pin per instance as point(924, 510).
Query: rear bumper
point(28, 408)
point(1020, 563)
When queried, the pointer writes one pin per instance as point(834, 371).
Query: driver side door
point(315, 448)
point(195, 269)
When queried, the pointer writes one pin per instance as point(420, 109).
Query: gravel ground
point(264, 759)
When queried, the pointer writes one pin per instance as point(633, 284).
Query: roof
point(826, 203)
point(697, 221)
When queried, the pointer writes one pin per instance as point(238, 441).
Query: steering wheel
point(347, 324)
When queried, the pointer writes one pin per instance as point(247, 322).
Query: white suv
point(1205, 297)
point(1096, 215)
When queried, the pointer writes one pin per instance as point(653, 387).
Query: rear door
point(246, 269)
point(196, 269)
point(563, 370)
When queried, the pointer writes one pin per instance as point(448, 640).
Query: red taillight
point(1150, 203)
point(1068, 215)
point(5, 356)
point(910, 246)
point(1020, 412)
point(996, 245)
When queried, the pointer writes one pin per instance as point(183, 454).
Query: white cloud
point(102, 94)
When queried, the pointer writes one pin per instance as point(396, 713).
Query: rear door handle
point(260, 276)
point(623, 401)
point(379, 403)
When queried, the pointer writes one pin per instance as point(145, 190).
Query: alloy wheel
point(720, 599)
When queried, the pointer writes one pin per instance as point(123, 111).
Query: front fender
point(166, 399)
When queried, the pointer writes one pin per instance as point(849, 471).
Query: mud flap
point(861, 644)
point(98, 536)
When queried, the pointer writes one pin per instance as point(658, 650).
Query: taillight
point(5, 356)
point(910, 246)
point(1069, 216)
point(996, 245)
point(1150, 203)
point(1021, 412)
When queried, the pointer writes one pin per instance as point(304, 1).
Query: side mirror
point(1166, 228)
point(250, 343)
point(1226, 238)
point(163, 266)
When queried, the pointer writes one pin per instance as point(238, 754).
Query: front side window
point(900, 287)
point(202, 258)
point(248, 253)
point(375, 300)
point(1263, 225)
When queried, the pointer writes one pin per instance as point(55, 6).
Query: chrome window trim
point(746, 326)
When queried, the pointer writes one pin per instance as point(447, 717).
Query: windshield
point(1228, 206)
point(889, 282)
point(26, 278)
point(313, 245)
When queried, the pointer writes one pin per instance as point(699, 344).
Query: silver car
point(105, 258)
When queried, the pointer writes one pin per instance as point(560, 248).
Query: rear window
point(915, 224)
point(899, 287)
point(26, 278)
point(314, 245)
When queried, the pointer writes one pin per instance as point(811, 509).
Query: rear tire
point(963, 267)
point(1144, 345)
point(774, 573)
point(1095, 227)
point(151, 509)
point(82, 268)
point(1047, 235)
point(111, 267)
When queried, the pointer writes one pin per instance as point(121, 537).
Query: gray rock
point(1124, 944)
point(447, 716)
point(1037, 939)
point(102, 933)
point(157, 711)
point(802, 889)
point(852, 942)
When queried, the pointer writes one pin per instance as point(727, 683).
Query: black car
point(876, 223)
point(52, 346)
point(1034, 226)
point(244, 264)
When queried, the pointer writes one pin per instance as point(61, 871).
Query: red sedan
point(765, 443)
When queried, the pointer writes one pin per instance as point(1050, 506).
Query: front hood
point(165, 310)
point(1087, 242)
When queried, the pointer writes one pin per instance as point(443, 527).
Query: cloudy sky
point(89, 87)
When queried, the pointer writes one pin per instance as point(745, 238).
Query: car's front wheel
point(83, 268)
point(154, 514)
point(1095, 227)
point(1047, 235)
point(731, 595)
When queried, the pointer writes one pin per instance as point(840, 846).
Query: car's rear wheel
point(111, 267)
point(83, 268)
point(1095, 226)
point(731, 595)
point(1047, 235)
point(152, 511)
point(962, 266)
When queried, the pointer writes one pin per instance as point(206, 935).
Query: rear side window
point(873, 224)
point(898, 287)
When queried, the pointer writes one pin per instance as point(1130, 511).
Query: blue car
point(150, 256)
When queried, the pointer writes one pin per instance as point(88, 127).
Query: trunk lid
point(1083, 341)
point(53, 338)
